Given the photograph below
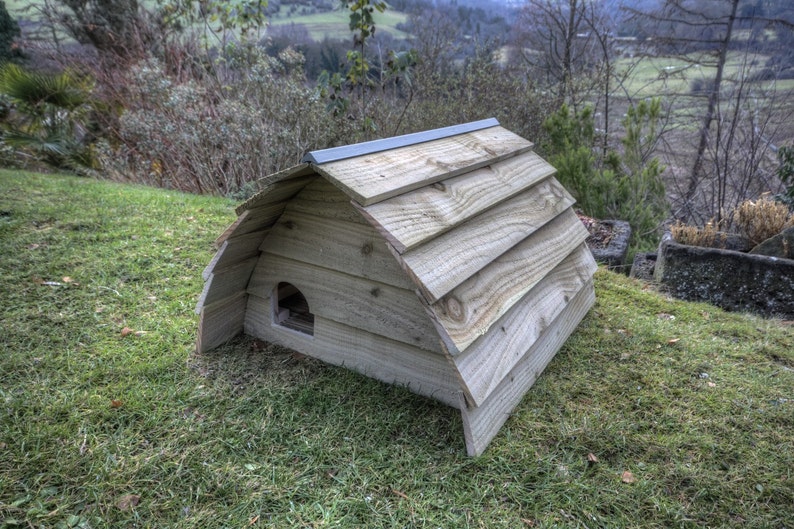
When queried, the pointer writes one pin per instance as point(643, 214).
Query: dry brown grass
point(709, 235)
point(761, 219)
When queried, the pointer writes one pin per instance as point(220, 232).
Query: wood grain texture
point(376, 177)
point(484, 364)
point(470, 309)
point(233, 251)
point(410, 219)
point(482, 423)
point(390, 361)
point(227, 282)
point(443, 263)
point(321, 198)
point(279, 186)
point(221, 321)
point(351, 248)
point(370, 305)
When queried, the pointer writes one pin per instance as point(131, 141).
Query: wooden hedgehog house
point(448, 261)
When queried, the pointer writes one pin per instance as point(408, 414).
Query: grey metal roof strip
point(369, 147)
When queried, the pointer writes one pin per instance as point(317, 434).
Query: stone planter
point(612, 252)
point(732, 280)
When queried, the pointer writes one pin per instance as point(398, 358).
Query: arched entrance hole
point(291, 310)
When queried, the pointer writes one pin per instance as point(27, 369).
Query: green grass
point(102, 429)
point(335, 24)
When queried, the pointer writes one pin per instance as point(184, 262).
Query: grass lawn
point(656, 413)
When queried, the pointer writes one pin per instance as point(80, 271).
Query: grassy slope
point(98, 429)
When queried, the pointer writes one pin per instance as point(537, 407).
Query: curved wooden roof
point(475, 219)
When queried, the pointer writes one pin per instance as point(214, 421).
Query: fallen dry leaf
point(126, 331)
point(528, 522)
point(128, 501)
point(591, 458)
point(67, 279)
point(116, 403)
point(665, 316)
point(711, 384)
point(254, 520)
point(672, 341)
point(400, 494)
point(627, 477)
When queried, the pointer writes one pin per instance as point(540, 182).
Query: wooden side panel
point(408, 220)
point(481, 424)
point(376, 177)
point(366, 304)
point(322, 199)
point(375, 356)
point(484, 364)
point(470, 309)
point(221, 321)
point(227, 282)
point(443, 263)
point(352, 248)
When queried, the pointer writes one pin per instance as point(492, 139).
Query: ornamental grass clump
point(708, 236)
point(761, 219)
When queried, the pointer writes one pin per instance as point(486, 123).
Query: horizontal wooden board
point(221, 321)
point(279, 186)
point(484, 364)
point(410, 219)
point(378, 357)
point(482, 423)
point(366, 304)
point(227, 282)
point(354, 249)
point(376, 177)
point(443, 263)
point(322, 199)
point(470, 309)
point(233, 251)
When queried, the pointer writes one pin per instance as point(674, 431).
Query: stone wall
point(732, 280)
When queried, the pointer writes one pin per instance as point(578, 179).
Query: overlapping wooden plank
point(323, 199)
point(410, 219)
point(443, 263)
point(482, 423)
point(470, 309)
point(484, 364)
point(235, 250)
point(281, 188)
point(355, 249)
point(371, 305)
point(227, 282)
point(221, 322)
point(376, 177)
point(390, 361)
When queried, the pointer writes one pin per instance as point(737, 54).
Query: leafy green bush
point(625, 185)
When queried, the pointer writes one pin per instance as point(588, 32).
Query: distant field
point(333, 24)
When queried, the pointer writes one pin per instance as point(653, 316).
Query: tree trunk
point(697, 169)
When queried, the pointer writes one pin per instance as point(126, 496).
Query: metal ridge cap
point(370, 147)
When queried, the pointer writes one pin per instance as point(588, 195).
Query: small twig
point(111, 289)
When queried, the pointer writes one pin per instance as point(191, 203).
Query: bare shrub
point(761, 219)
point(214, 135)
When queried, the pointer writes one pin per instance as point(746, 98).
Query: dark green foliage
point(626, 185)
point(785, 172)
point(49, 116)
point(9, 30)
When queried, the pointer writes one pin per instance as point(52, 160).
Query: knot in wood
point(366, 249)
point(455, 309)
